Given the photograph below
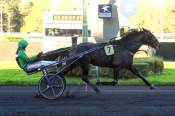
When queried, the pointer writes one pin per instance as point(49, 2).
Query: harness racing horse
point(116, 54)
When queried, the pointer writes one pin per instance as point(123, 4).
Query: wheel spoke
point(53, 91)
point(52, 80)
point(51, 86)
point(56, 86)
point(45, 89)
point(47, 81)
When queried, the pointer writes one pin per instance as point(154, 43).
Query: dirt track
point(113, 101)
point(8, 49)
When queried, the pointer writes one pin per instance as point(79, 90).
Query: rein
point(110, 40)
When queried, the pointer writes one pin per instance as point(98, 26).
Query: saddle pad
point(109, 50)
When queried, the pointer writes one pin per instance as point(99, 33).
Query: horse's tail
point(62, 52)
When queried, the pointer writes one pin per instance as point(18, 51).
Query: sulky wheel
point(51, 86)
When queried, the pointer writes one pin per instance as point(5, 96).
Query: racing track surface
point(113, 101)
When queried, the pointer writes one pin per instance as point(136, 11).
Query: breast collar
point(130, 51)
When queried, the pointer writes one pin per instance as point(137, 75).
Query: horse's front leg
point(85, 70)
point(115, 76)
point(137, 73)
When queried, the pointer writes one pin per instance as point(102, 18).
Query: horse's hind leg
point(137, 73)
point(85, 69)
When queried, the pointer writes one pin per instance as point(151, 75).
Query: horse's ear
point(146, 30)
point(143, 29)
point(139, 29)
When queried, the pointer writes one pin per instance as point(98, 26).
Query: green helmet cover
point(22, 43)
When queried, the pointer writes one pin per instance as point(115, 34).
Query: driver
point(29, 63)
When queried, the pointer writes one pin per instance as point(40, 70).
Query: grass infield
point(10, 74)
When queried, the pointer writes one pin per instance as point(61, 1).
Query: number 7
point(109, 49)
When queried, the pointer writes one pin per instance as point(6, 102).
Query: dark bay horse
point(120, 55)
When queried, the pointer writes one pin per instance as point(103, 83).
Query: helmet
point(22, 43)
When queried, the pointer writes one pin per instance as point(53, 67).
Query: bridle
point(146, 39)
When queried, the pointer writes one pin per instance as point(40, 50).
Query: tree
point(148, 15)
point(5, 22)
point(12, 15)
point(17, 19)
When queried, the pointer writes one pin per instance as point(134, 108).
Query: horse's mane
point(129, 34)
point(125, 37)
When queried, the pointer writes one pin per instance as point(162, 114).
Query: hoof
point(38, 95)
point(68, 94)
point(114, 83)
point(95, 89)
point(152, 87)
point(98, 83)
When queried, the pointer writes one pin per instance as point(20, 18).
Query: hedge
point(155, 63)
point(12, 38)
point(146, 66)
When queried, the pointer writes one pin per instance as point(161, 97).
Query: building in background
point(66, 19)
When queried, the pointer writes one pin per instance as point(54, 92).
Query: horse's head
point(150, 39)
